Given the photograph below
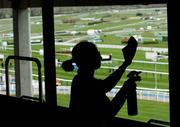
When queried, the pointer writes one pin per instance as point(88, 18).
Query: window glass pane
point(37, 48)
point(6, 48)
point(109, 27)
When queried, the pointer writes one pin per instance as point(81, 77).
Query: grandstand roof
point(38, 3)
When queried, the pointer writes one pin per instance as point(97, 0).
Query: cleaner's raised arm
point(129, 52)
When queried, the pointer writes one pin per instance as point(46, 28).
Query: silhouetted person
point(88, 94)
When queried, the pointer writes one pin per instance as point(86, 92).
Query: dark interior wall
point(174, 62)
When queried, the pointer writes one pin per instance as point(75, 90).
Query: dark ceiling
point(38, 3)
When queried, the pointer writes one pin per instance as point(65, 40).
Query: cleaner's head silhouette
point(86, 56)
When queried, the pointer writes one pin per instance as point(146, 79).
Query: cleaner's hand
point(134, 75)
point(130, 50)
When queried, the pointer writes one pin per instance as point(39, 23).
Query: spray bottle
point(132, 95)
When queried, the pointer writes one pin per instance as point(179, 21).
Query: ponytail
point(67, 65)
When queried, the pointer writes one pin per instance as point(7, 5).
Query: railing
point(64, 87)
point(26, 59)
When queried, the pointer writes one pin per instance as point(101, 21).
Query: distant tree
point(35, 12)
point(139, 14)
point(71, 21)
point(124, 18)
point(5, 13)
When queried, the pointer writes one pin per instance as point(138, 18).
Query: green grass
point(146, 109)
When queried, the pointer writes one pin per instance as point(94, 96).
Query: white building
point(93, 32)
point(4, 45)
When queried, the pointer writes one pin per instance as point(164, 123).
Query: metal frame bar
point(49, 52)
point(26, 59)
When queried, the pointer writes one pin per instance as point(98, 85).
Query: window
point(109, 28)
